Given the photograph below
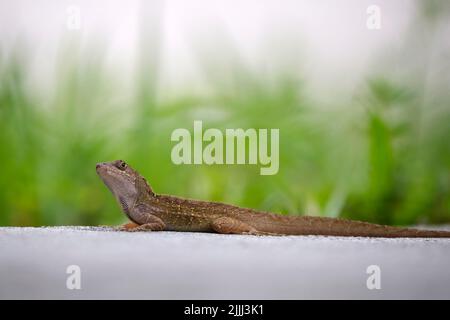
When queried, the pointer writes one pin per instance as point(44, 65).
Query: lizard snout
point(99, 165)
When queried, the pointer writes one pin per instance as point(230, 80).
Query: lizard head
point(126, 184)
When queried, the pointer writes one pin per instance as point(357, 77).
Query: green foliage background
point(385, 157)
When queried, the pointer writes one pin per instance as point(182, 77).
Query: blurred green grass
point(385, 158)
point(373, 166)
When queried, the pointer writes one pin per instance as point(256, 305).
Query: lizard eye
point(122, 165)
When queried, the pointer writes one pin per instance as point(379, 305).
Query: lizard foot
point(126, 227)
point(154, 226)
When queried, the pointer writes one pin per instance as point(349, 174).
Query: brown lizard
point(149, 211)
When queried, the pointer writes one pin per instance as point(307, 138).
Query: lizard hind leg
point(228, 225)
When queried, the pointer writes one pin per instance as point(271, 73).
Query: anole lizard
point(149, 211)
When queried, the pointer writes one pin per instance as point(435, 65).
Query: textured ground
point(170, 265)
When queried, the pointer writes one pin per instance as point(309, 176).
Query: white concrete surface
point(170, 265)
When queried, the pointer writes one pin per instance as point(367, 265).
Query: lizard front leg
point(156, 226)
point(145, 220)
point(153, 224)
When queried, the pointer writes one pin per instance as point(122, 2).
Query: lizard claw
point(120, 228)
point(125, 227)
point(138, 229)
point(111, 228)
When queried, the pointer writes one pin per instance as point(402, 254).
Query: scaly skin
point(149, 211)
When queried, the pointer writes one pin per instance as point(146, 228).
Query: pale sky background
point(328, 39)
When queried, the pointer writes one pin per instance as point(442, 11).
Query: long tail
point(304, 225)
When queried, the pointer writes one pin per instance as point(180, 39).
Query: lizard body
point(149, 211)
